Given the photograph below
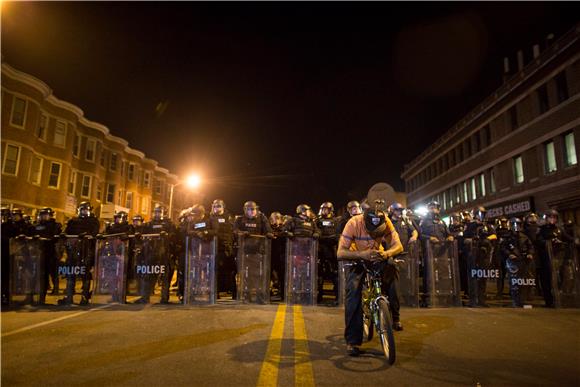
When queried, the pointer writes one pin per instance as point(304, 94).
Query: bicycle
point(376, 311)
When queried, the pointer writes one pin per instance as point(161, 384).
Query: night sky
point(280, 103)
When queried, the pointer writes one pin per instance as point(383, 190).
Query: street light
point(192, 181)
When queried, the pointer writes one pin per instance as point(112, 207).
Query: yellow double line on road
point(303, 375)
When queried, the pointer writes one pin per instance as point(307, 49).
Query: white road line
point(54, 320)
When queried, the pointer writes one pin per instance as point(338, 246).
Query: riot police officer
point(302, 225)
point(86, 226)
point(406, 229)
point(327, 245)
point(137, 223)
point(226, 261)
point(8, 232)
point(48, 228)
point(278, 255)
point(482, 235)
point(252, 222)
point(503, 231)
point(550, 231)
point(352, 208)
point(159, 224)
point(517, 253)
point(456, 229)
point(120, 224)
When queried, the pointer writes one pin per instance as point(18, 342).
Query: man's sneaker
point(352, 350)
point(397, 326)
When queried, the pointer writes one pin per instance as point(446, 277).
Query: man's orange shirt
point(355, 237)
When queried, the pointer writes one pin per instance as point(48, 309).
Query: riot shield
point(27, 270)
point(522, 279)
point(200, 273)
point(151, 266)
point(301, 282)
point(442, 274)
point(565, 274)
point(75, 262)
point(111, 269)
point(254, 269)
point(482, 269)
point(408, 276)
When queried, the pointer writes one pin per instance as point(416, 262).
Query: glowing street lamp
point(193, 181)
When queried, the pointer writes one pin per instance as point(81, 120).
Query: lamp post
point(192, 181)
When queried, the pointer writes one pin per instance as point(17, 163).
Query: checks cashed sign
point(518, 207)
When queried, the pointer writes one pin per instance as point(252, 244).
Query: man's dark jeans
point(353, 315)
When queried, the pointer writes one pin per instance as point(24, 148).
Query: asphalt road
point(249, 345)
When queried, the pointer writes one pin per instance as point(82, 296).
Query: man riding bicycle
point(362, 239)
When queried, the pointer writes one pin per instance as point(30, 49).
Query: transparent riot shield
point(442, 274)
point(565, 274)
point(301, 279)
point(483, 271)
point(409, 275)
point(75, 263)
point(254, 269)
point(27, 270)
point(200, 273)
point(151, 268)
point(111, 269)
point(521, 274)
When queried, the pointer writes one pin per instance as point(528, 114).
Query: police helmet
point(122, 215)
point(551, 214)
point(46, 211)
point(302, 209)
point(17, 211)
point(84, 209)
point(137, 218)
point(455, 218)
point(504, 223)
point(276, 218)
point(159, 210)
point(250, 204)
point(515, 224)
point(328, 205)
point(198, 210)
point(6, 214)
point(352, 206)
point(434, 204)
point(218, 203)
point(532, 218)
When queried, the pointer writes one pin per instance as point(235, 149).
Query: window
point(91, 149)
point(549, 158)
point(467, 148)
point(113, 164)
point(86, 187)
point(458, 194)
point(99, 191)
point(129, 200)
point(131, 172)
point(482, 184)
point(444, 199)
point(120, 197)
point(145, 205)
point(459, 153)
point(76, 145)
point(562, 87)
point(41, 129)
point(485, 136)
point(518, 170)
point(492, 187)
point(11, 160)
point(54, 177)
point(103, 157)
point(18, 115)
point(570, 149)
point(146, 179)
point(60, 134)
point(35, 170)
point(451, 156)
point(157, 186)
point(110, 193)
point(465, 193)
point(543, 102)
point(72, 182)
point(473, 191)
point(513, 116)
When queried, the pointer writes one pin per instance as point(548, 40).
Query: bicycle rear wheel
point(385, 331)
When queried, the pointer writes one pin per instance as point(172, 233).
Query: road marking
point(54, 320)
point(269, 371)
point(302, 366)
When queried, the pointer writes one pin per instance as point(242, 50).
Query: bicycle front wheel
point(385, 331)
point(367, 322)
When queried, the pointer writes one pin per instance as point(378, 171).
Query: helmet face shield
point(354, 208)
point(218, 207)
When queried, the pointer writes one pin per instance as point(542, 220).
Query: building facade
point(53, 156)
point(517, 151)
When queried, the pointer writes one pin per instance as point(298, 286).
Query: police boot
point(65, 301)
point(84, 301)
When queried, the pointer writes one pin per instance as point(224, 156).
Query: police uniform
point(328, 264)
point(226, 263)
point(515, 247)
point(165, 257)
point(48, 229)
